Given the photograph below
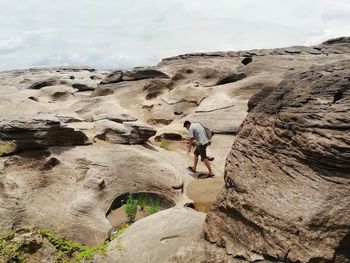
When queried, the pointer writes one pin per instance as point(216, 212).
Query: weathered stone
point(57, 92)
point(102, 91)
point(115, 117)
point(155, 88)
point(48, 82)
point(112, 132)
point(140, 132)
point(287, 179)
point(82, 87)
point(114, 77)
point(138, 74)
point(71, 201)
point(259, 96)
point(126, 133)
point(233, 77)
point(338, 40)
point(166, 231)
point(75, 195)
point(39, 131)
point(68, 117)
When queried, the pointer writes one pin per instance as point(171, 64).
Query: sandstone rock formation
point(158, 237)
point(296, 149)
point(73, 196)
point(126, 133)
point(287, 178)
point(40, 131)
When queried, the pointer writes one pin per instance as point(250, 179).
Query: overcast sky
point(127, 33)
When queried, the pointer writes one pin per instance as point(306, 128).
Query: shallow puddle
point(204, 191)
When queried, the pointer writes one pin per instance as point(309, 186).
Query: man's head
point(187, 124)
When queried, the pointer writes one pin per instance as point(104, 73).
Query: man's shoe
point(190, 168)
point(211, 159)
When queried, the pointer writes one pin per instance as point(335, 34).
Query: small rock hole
point(338, 96)
point(247, 60)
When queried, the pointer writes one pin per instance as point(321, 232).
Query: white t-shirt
point(197, 132)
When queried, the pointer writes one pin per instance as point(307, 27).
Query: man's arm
point(190, 143)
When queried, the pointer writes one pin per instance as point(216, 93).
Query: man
point(196, 132)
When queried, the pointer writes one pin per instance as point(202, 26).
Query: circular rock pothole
point(147, 204)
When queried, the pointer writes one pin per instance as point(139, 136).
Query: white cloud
point(9, 45)
point(116, 33)
point(337, 10)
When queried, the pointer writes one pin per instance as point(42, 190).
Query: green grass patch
point(165, 144)
point(7, 148)
point(131, 208)
point(153, 205)
point(142, 201)
point(10, 249)
point(66, 251)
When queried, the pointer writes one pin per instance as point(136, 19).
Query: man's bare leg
point(195, 162)
point(207, 164)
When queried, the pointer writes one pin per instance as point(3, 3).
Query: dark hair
point(186, 123)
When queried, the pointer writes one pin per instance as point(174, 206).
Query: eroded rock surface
point(287, 179)
point(68, 189)
point(157, 237)
point(40, 131)
point(126, 133)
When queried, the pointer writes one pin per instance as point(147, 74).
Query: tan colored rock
point(40, 131)
point(157, 237)
point(68, 189)
point(287, 189)
point(114, 77)
point(126, 133)
point(72, 197)
point(201, 251)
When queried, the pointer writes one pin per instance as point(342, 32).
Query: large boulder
point(221, 113)
point(126, 133)
point(287, 179)
point(114, 77)
point(39, 131)
point(72, 197)
point(57, 92)
point(140, 132)
point(157, 237)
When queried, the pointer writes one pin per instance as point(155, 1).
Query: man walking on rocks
point(197, 132)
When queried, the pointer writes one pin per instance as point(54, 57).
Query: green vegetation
point(10, 249)
point(142, 201)
point(153, 205)
point(131, 208)
point(165, 144)
point(7, 147)
point(15, 249)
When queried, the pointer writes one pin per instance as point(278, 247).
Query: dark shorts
point(202, 151)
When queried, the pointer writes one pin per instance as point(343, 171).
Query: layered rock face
point(287, 178)
point(39, 131)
